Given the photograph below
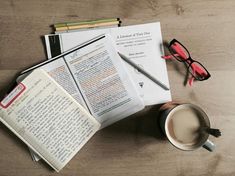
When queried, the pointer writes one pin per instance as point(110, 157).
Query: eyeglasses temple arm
point(169, 56)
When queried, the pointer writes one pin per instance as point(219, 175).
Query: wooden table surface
point(135, 145)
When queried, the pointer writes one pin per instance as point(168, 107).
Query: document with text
point(140, 43)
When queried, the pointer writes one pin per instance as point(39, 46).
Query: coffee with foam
point(183, 127)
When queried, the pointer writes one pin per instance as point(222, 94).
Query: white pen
point(141, 70)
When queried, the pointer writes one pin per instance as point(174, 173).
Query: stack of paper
point(141, 43)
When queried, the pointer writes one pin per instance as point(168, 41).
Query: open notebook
point(48, 119)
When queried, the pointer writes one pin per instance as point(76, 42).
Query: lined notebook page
point(47, 119)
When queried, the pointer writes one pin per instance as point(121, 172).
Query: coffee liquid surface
point(184, 126)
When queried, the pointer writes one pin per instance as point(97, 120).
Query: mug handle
point(210, 146)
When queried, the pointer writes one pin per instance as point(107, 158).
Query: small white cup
point(202, 141)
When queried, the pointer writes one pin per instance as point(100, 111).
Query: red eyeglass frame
point(180, 53)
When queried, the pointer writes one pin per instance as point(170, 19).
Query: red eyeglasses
point(180, 53)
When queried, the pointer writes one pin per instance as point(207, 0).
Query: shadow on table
point(142, 124)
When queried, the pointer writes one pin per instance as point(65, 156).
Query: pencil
point(141, 70)
point(58, 25)
point(71, 27)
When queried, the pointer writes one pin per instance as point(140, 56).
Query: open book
point(44, 116)
point(94, 74)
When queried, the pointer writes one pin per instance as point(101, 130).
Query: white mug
point(167, 112)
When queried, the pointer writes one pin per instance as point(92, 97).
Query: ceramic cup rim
point(184, 146)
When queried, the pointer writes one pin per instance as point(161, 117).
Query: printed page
point(105, 84)
point(47, 119)
point(142, 44)
point(59, 71)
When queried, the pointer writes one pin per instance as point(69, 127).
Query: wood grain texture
point(133, 146)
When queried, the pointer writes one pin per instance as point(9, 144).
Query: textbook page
point(47, 119)
point(140, 43)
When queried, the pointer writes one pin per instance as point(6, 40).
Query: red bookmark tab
point(9, 99)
